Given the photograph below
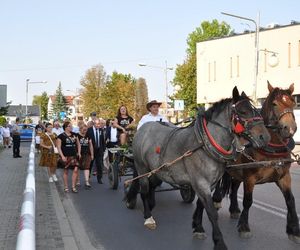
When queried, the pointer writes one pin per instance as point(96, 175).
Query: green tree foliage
point(141, 98)
point(186, 73)
point(4, 110)
point(93, 82)
point(2, 120)
point(42, 101)
point(206, 31)
point(60, 104)
point(118, 90)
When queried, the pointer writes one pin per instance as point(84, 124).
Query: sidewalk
point(53, 230)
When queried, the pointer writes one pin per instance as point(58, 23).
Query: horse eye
point(274, 104)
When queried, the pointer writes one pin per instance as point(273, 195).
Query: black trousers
point(98, 160)
point(16, 145)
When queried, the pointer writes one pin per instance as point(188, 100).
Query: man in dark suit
point(96, 133)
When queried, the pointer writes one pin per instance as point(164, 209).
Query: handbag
point(55, 150)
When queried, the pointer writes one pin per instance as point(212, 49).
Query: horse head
point(278, 111)
point(247, 123)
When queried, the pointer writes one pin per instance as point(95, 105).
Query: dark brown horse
point(277, 112)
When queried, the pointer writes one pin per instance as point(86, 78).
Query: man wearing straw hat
point(153, 115)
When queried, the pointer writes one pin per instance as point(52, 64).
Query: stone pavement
point(53, 223)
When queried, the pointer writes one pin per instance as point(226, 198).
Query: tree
point(186, 73)
point(60, 104)
point(42, 101)
point(93, 82)
point(4, 110)
point(119, 90)
point(141, 98)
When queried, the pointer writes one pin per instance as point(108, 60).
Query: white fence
point(26, 235)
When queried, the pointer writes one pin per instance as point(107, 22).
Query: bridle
point(242, 126)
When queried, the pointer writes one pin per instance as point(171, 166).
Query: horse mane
point(267, 105)
point(217, 108)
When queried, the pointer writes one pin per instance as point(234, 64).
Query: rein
point(166, 164)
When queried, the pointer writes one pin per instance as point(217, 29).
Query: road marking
point(281, 212)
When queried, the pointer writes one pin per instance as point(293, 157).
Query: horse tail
point(222, 188)
point(225, 184)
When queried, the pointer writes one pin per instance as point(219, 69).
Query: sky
point(59, 40)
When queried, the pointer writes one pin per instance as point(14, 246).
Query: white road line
point(267, 207)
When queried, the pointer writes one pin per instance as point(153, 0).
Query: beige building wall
point(227, 62)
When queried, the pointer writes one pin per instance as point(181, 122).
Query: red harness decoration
point(213, 142)
point(157, 150)
point(275, 154)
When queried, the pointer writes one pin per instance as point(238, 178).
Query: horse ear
point(270, 87)
point(244, 94)
point(235, 94)
point(291, 88)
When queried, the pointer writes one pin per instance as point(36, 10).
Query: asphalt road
point(112, 226)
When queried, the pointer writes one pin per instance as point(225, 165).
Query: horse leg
point(146, 191)
point(217, 196)
point(234, 205)
point(292, 227)
point(131, 192)
point(243, 225)
point(198, 230)
point(154, 182)
point(212, 214)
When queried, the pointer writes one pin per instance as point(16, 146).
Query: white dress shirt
point(57, 131)
point(151, 118)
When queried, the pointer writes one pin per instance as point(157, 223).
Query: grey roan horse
point(213, 138)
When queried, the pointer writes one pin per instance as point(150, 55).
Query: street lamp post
point(165, 69)
point(27, 83)
point(256, 46)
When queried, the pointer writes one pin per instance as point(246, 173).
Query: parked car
point(26, 131)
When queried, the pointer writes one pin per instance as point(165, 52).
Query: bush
point(2, 120)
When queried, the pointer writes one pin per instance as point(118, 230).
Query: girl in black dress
point(85, 153)
point(124, 120)
point(68, 146)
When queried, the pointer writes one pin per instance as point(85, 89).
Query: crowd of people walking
point(82, 148)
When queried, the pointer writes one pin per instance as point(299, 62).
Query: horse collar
point(210, 145)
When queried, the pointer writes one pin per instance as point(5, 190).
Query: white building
point(230, 61)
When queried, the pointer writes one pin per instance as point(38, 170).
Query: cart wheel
point(129, 204)
point(187, 193)
point(113, 175)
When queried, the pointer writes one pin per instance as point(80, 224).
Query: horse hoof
point(217, 205)
point(200, 236)
point(294, 238)
point(235, 216)
point(245, 235)
point(150, 223)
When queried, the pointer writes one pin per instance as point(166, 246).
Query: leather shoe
point(19, 156)
point(100, 181)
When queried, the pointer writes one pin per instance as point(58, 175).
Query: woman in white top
point(153, 116)
point(6, 135)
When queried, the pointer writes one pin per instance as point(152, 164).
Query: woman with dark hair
point(124, 120)
point(48, 156)
point(68, 146)
point(85, 153)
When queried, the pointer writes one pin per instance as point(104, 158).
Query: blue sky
point(59, 40)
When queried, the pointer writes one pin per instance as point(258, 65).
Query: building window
point(237, 66)
point(265, 61)
point(208, 72)
point(230, 67)
point(289, 55)
point(215, 71)
point(299, 53)
point(297, 100)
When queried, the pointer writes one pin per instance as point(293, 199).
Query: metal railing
point(26, 234)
